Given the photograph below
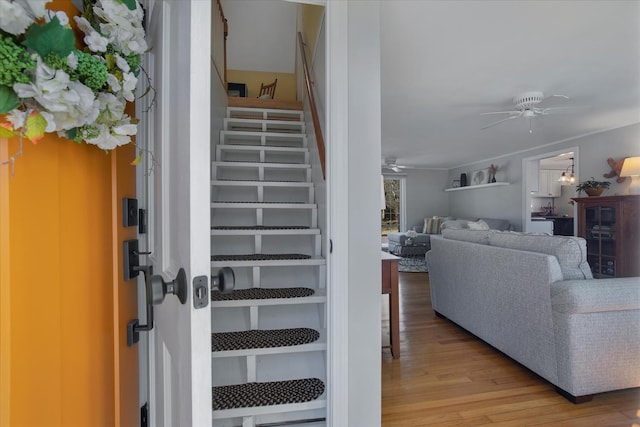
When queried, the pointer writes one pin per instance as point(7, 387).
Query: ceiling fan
point(527, 105)
point(390, 163)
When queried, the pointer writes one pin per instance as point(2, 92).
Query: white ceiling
point(445, 62)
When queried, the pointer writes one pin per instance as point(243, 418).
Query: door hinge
point(330, 246)
point(144, 415)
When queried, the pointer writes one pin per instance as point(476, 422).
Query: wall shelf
point(474, 187)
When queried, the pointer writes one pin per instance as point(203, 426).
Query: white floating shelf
point(474, 187)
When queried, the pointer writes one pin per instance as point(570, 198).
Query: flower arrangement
point(48, 85)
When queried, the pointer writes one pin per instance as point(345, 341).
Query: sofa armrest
point(597, 324)
point(596, 295)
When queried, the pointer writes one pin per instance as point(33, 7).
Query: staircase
point(269, 338)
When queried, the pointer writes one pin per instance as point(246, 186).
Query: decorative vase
point(593, 192)
point(463, 180)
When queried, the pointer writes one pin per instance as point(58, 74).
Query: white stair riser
point(225, 245)
point(261, 125)
point(257, 154)
point(272, 217)
point(227, 371)
point(260, 172)
point(262, 194)
point(275, 139)
point(265, 113)
point(313, 277)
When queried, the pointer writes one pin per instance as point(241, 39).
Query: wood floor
point(447, 377)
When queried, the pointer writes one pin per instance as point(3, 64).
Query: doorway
point(549, 182)
point(393, 216)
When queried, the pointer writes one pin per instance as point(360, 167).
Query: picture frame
point(480, 176)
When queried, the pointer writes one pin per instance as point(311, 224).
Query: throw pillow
point(432, 225)
point(479, 225)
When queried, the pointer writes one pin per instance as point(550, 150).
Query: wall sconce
point(631, 168)
point(568, 179)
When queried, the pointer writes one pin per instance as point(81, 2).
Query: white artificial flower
point(93, 39)
point(51, 122)
point(14, 19)
point(129, 82)
point(113, 83)
point(17, 118)
point(70, 103)
point(39, 9)
point(72, 60)
point(111, 108)
point(108, 139)
point(122, 25)
point(122, 63)
point(62, 17)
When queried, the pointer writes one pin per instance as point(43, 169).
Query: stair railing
point(220, 30)
point(314, 111)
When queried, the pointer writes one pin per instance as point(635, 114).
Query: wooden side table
point(390, 286)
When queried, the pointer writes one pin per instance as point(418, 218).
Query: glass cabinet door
point(600, 233)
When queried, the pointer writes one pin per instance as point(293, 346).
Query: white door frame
point(183, 128)
point(338, 197)
point(526, 198)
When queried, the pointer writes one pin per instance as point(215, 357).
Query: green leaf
point(131, 4)
point(36, 125)
point(50, 38)
point(5, 132)
point(8, 99)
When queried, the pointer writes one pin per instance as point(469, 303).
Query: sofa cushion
point(497, 224)
point(466, 235)
point(571, 252)
point(478, 225)
point(456, 224)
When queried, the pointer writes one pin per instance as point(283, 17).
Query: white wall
point(362, 209)
point(425, 195)
point(506, 202)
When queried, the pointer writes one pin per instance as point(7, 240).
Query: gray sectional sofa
point(397, 241)
point(533, 298)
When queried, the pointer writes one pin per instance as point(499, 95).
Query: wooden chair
point(269, 89)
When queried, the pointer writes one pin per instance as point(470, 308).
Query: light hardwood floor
point(447, 377)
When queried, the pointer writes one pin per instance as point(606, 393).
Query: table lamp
point(631, 168)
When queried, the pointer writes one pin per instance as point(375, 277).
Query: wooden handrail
point(220, 29)
point(314, 111)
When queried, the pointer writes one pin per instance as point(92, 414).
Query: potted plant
point(592, 187)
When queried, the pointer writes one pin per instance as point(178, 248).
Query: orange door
point(63, 302)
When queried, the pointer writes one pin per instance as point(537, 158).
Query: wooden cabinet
point(549, 186)
point(611, 227)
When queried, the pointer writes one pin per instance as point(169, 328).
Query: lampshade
point(631, 168)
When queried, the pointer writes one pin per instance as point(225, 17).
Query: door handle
point(156, 289)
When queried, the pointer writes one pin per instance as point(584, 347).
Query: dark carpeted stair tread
point(258, 338)
point(266, 393)
point(261, 293)
point(264, 163)
point(260, 227)
point(262, 180)
point(259, 257)
point(264, 203)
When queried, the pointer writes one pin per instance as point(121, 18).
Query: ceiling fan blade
point(502, 112)
point(500, 121)
point(549, 110)
point(553, 100)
